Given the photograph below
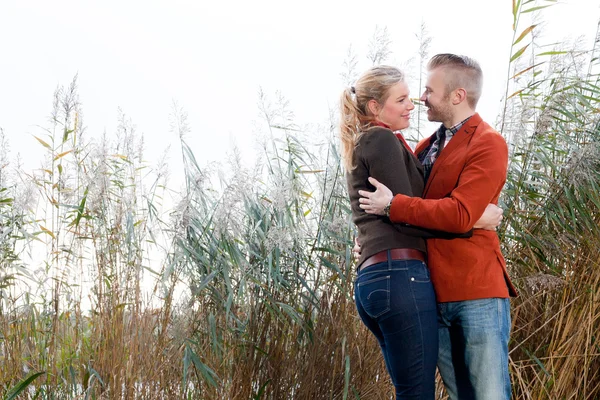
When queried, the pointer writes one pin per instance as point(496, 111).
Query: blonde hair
point(463, 72)
point(355, 116)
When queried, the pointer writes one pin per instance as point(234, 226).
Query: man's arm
point(384, 157)
point(489, 221)
point(479, 183)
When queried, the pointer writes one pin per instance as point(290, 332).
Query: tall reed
point(551, 234)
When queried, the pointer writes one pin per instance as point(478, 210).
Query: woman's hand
point(375, 202)
point(356, 250)
point(491, 218)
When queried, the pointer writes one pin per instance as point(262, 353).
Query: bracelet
point(387, 209)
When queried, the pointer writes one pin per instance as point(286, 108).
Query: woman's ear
point(373, 107)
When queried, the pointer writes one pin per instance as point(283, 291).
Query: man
point(465, 165)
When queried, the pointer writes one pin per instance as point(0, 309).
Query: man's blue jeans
point(473, 354)
point(396, 301)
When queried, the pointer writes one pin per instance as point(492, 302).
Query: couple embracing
point(432, 284)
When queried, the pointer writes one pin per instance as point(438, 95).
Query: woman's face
point(395, 112)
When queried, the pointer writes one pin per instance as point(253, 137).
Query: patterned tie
point(430, 154)
point(441, 144)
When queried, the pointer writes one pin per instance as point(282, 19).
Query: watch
point(386, 209)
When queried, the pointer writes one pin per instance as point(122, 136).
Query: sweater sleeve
point(479, 184)
point(385, 159)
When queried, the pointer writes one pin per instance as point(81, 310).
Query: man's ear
point(459, 96)
point(373, 107)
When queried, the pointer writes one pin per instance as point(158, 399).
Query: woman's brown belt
point(395, 254)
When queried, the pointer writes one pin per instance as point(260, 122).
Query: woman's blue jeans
point(396, 301)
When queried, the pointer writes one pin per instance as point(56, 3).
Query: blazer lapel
point(457, 141)
point(422, 145)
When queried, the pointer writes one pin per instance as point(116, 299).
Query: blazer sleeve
point(385, 159)
point(479, 184)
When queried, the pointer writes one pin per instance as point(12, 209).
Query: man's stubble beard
point(440, 115)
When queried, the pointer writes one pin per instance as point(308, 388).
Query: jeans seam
point(365, 282)
point(412, 292)
point(377, 271)
point(505, 377)
point(503, 356)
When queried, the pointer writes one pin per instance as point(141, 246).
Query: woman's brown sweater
point(381, 155)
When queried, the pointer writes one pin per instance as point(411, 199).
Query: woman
point(393, 293)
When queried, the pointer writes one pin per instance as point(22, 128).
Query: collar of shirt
point(379, 123)
point(451, 131)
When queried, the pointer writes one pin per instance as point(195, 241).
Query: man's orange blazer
point(468, 175)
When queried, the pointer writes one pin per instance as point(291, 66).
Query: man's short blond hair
point(462, 72)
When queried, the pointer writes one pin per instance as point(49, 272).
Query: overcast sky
point(212, 57)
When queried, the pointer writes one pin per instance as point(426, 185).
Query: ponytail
point(350, 127)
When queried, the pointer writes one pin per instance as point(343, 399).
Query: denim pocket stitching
point(374, 280)
point(387, 308)
point(378, 290)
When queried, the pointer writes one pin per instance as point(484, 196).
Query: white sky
point(211, 57)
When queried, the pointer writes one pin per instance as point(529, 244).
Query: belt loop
point(389, 259)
